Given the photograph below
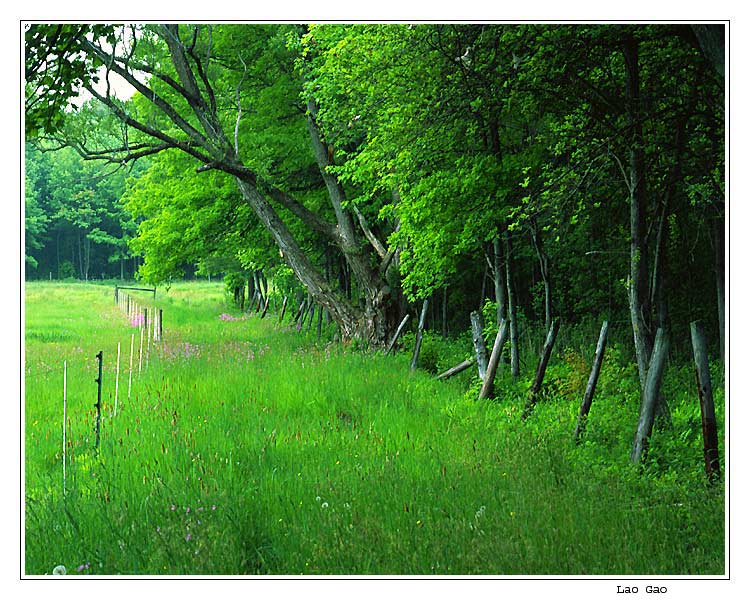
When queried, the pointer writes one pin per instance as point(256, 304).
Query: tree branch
point(374, 241)
point(310, 218)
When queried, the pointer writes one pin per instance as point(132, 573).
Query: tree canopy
point(574, 170)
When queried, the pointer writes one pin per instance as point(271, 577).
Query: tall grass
point(249, 448)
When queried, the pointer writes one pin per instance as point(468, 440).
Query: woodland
point(492, 181)
point(558, 170)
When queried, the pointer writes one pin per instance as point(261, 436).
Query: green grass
point(249, 448)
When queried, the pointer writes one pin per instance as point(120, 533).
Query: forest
point(509, 180)
point(577, 170)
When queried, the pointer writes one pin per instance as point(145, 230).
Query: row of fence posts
point(149, 322)
point(488, 368)
point(141, 316)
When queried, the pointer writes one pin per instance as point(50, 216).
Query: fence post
point(536, 386)
point(480, 349)
point(161, 330)
point(418, 343)
point(650, 395)
point(98, 404)
point(457, 369)
point(397, 334)
point(588, 395)
point(706, 398)
point(497, 348)
point(283, 310)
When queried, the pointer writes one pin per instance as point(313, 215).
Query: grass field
point(249, 448)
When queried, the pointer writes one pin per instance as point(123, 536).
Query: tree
point(188, 100)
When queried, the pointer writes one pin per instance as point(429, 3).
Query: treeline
point(76, 225)
point(561, 171)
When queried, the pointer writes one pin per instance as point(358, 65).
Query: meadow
point(247, 447)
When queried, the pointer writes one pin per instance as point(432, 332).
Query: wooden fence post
point(706, 398)
point(397, 334)
point(283, 310)
point(418, 342)
point(457, 369)
point(497, 348)
point(480, 348)
point(650, 395)
point(588, 395)
point(536, 386)
point(320, 321)
point(161, 329)
point(98, 404)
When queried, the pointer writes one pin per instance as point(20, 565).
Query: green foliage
point(57, 67)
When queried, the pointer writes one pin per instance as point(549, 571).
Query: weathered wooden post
point(460, 367)
point(265, 307)
point(98, 404)
point(397, 334)
point(144, 318)
point(480, 348)
point(298, 314)
point(283, 310)
point(536, 386)
point(117, 298)
point(418, 342)
point(650, 395)
point(497, 348)
point(320, 321)
point(706, 398)
point(588, 395)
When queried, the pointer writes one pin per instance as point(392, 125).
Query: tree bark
point(378, 312)
point(639, 299)
point(706, 397)
point(513, 322)
point(718, 231)
point(309, 276)
point(544, 271)
point(499, 272)
point(640, 309)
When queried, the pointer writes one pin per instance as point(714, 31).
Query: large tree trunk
point(640, 309)
point(379, 314)
point(639, 298)
point(341, 311)
point(499, 272)
point(536, 240)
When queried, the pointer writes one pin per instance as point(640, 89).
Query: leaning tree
point(193, 86)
